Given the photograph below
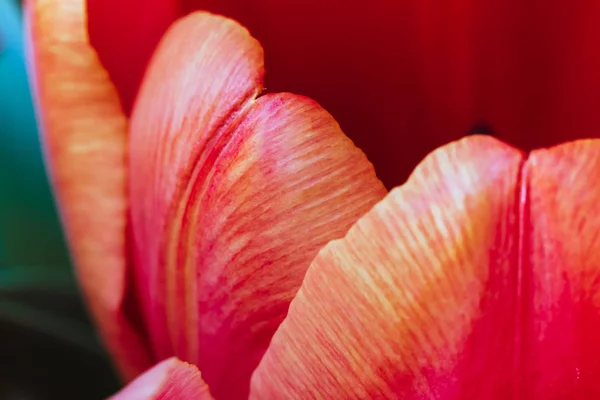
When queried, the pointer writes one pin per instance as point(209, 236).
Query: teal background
point(30, 233)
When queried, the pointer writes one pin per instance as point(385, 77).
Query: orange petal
point(562, 347)
point(84, 134)
point(171, 379)
point(418, 300)
point(232, 197)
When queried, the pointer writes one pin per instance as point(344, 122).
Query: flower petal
point(528, 69)
point(418, 300)
point(84, 134)
point(565, 310)
point(125, 34)
point(232, 196)
point(171, 379)
point(440, 68)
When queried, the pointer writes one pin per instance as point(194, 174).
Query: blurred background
point(48, 349)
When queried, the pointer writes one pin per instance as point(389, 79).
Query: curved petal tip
point(394, 310)
point(232, 196)
point(171, 379)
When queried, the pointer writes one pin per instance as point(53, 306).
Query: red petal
point(389, 69)
point(232, 196)
point(448, 290)
point(84, 132)
point(418, 300)
point(169, 380)
point(168, 137)
point(125, 34)
point(565, 309)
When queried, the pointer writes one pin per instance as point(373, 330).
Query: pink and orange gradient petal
point(84, 135)
point(476, 279)
point(171, 379)
point(563, 315)
point(233, 193)
point(417, 301)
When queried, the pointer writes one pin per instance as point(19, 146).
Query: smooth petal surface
point(418, 300)
point(232, 196)
point(171, 379)
point(84, 134)
point(427, 71)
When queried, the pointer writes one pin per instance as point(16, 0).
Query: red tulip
point(195, 219)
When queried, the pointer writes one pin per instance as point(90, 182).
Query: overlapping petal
point(171, 379)
point(84, 134)
point(418, 300)
point(233, 193)
point(476, 279)
point(427, 71)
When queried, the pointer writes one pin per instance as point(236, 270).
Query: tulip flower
point(193, 232)
point(234, 243)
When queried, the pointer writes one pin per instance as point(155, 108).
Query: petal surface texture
point(233, 194)
point(171, 379)
point(418, 300)
point(528, 68)
point(476, 279)
point(84, 135)
point(564, 312)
